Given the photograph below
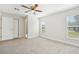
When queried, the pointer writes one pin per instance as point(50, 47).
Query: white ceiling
point(46, 8)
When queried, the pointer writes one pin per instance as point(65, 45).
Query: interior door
point(7, 28)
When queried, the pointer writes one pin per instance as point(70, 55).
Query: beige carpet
point(35, 46)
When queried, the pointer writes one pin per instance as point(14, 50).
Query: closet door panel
point(21, 28)
point(16, 28)
point(3, 29)
point(7, 28)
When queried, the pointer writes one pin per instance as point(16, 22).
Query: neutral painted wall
point(0, 27)
point(33, 26)
point(55, 26)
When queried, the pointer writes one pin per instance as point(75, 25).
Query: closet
point(11, 27)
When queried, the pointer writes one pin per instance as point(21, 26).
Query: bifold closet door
point(7, 28)
point(16, 28)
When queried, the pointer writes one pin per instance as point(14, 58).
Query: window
point(73, 27)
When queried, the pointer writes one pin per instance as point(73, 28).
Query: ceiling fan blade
point(27, 11)
point(25, 6)
point(34, 7)
point(38, 10)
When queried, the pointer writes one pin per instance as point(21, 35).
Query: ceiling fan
point(32, 8)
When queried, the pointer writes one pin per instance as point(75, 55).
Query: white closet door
point(7, 28)
point(16, 28)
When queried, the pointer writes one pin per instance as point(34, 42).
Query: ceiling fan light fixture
point(33, 12)
point(32, 8)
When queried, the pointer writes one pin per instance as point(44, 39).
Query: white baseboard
point(33, 36)
point(61, 41)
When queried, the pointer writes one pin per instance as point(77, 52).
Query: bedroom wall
point(33, 26)
point(55, 26)
point(0, 27)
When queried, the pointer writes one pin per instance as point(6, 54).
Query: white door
point(16, 28)
point(7, 28)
